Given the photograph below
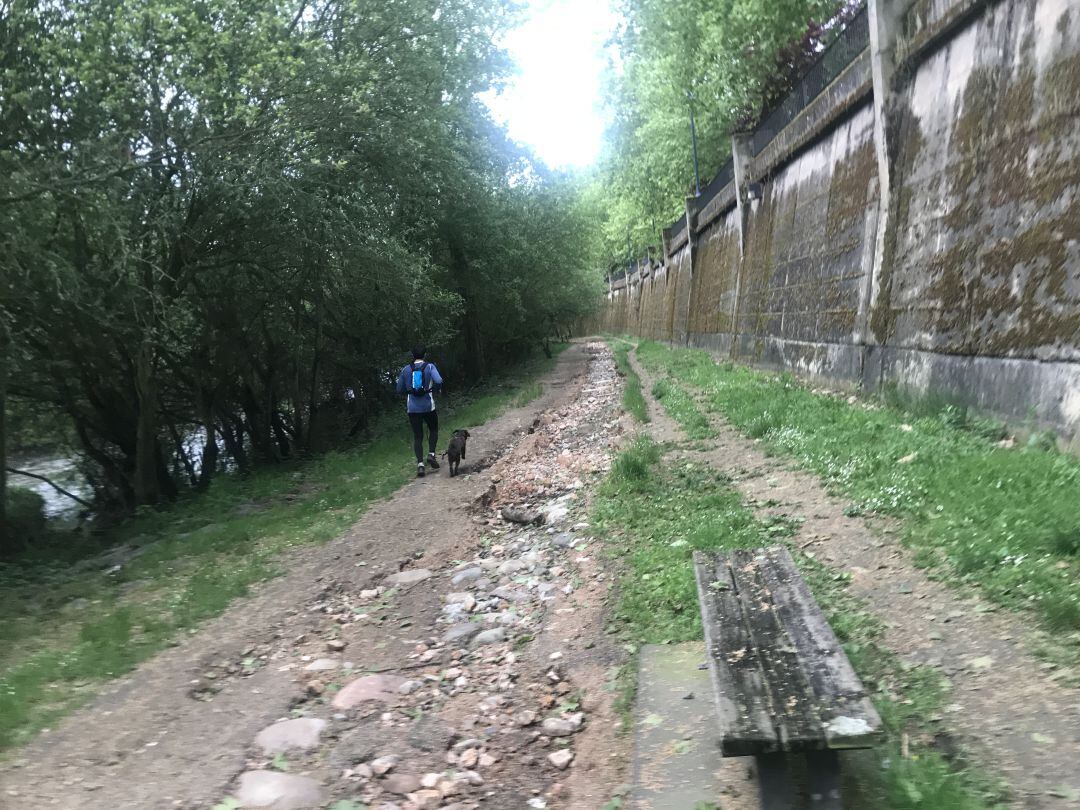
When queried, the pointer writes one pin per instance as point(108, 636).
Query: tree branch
point(52, 484)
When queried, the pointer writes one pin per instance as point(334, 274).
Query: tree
point(731, 60)
point(225, 221)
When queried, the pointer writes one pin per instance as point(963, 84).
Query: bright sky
point(552, 104)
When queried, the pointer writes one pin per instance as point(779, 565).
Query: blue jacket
point(432, 381)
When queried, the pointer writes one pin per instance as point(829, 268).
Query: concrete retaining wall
point(917, 224)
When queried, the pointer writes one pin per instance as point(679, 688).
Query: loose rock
point(382, 687)
point(281, 791)
point(409, 577)
point(561, 759)
point(302, 733)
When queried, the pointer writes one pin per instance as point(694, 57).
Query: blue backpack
point(416, 385)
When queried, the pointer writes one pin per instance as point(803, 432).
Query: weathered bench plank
point(781, 677)
point(739, 686)
point(846, 712)
point(793, 703)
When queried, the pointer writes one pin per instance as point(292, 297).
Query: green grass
point(633, 400)
point(65, 630)
point(656, 514)
point(680, 405)
point(1002, 521)
point(528, 393)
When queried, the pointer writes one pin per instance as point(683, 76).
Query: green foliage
point(231, 220)
point(725, 56)
point(634, 467)
point(25, 516)
point(64, 629)
point(688, 508)
point(528, 394)
point(1002, 520)
point(347, 804)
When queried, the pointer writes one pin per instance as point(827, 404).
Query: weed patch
point(633, 400)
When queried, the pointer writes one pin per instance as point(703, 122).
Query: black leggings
point(418, 420)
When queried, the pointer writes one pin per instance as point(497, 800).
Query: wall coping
point(847, 91)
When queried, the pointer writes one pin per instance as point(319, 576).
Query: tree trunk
point(210, 450)
point(182, 456)
point(5, 346)
point(146, 484)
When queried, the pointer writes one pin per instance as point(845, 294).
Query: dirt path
point(1004, 707)
point(435, 655)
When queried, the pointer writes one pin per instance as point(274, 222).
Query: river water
point(61, 469)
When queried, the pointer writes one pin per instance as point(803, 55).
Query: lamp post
point(629, 257)
point(693, 143)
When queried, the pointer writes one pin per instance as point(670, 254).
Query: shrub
point(25, 516)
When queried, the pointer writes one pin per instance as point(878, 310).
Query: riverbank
point(73, 618)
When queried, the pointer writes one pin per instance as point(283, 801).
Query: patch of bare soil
point(436, 655)
point(1005, 708)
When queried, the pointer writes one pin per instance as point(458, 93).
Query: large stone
point(561, 759)
point(410, 577)
point(555, 514)
point(322, 665)
point(496, 635)
point(674, 761)
point(469, 575)
point(381, 688)
point(516, 514)
point(460, 633)
point(430, 734)
point(564, 540)
point(278, 791)
point(359, 744)
point(302, 733)
point(463, 598)
point(401, 783)
point(510, 594)
point(514, 566)
point(558, 727)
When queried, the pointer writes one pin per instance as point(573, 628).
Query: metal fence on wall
point(717, 184)
point(840, 53)
point(851, 41)
point(678, 227)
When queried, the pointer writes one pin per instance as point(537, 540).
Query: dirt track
point(181, 731)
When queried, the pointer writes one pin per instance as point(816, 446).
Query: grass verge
point(633, 400)
point(67, 625)
point(1001, 520)
point(656, 514)
point(680, 405)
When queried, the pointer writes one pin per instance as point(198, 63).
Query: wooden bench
point(783, 684)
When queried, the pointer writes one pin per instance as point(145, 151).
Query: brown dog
point(455, 451)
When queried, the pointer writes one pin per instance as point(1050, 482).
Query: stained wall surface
point(964, 281)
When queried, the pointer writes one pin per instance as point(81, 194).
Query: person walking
point(419, 380)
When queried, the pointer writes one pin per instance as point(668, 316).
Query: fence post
point(740, 158)
point(683, 316)
point(884, 17)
